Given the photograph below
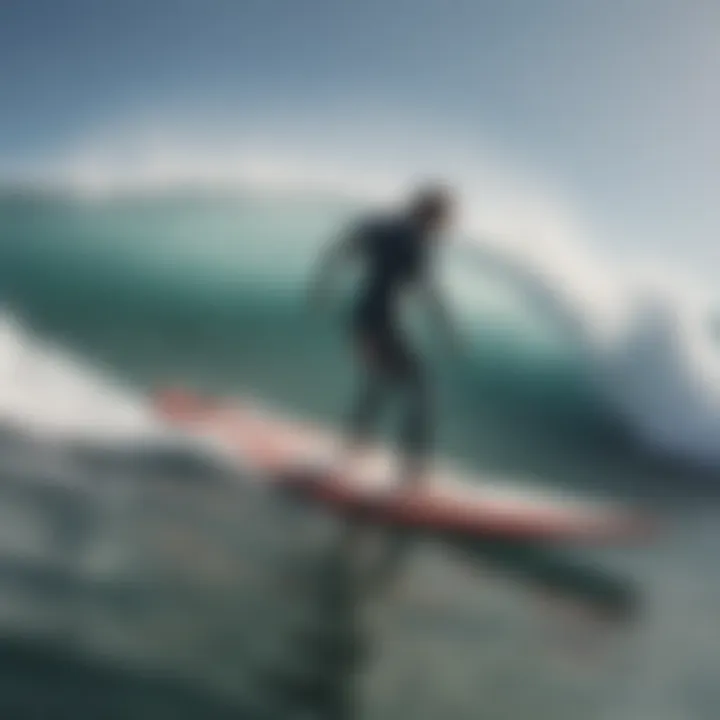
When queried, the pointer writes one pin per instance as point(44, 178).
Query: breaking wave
point(636, 349)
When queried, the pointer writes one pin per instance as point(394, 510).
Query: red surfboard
point(294, 453)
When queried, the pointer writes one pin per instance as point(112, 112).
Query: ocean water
point(142, 577)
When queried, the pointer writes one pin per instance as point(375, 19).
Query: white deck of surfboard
point(262, 439)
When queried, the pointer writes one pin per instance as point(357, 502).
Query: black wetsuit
point(395, 255)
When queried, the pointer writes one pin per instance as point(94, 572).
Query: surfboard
point(296, 454)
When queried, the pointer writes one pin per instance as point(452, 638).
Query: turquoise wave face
point(211, 291)
point(125, 256)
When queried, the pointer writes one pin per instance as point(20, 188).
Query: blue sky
point(614, 101)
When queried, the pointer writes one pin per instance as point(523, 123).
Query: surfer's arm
point(438, 311)
point(333, 256)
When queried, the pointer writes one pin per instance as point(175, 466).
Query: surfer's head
point(432, 207)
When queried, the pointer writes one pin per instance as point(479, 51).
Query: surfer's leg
point(366, 407)
point(374, 352)
point(416, 439)
point(417, 427)
point(364, 412)
point(374, 384)
point(389, 366)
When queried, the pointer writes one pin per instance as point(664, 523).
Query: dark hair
point(431, 201)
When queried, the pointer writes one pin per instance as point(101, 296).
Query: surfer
point(397, 252)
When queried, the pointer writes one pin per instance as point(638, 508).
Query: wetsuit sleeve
point(430, 285)
point(357, 236)
point(345, 247)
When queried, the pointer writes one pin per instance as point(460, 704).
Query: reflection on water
point(144, 585)
point(161, 585)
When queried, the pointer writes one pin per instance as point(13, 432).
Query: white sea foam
point(45, 390)
point(647, 340)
